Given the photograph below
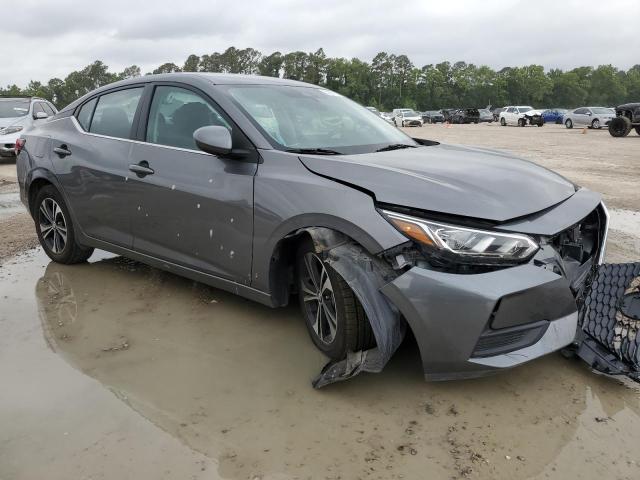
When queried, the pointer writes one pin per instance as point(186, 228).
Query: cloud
point(65, 35)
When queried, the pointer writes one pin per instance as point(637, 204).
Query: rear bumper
point(473, 325)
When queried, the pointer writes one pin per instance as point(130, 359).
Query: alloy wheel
point(319, 300)
point(596, 124)
point(53, 225)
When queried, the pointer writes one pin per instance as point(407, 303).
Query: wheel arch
point(281, 262)
point(36, 180)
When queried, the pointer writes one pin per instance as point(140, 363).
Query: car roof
point(214, 78)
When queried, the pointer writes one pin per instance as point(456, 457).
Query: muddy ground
point(116, 370)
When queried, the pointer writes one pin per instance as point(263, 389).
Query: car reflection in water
point(210, 368)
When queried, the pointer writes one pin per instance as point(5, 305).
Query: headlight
point(466, 245)
point(8, 130)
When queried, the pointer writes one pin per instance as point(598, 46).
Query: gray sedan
point(592, 117)
point(278, 190)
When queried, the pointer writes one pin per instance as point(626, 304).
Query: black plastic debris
point(609, 340)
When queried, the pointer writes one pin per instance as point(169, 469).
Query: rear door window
point(114, 113)
point(85, 113)
point(176, 113)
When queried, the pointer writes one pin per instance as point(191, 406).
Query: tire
point(637, 129)
point(596, 124)
point(52, 220)
point(568, 123)
point(619, 127)
point(503, 122)
point(352, 331)
point(521, 122)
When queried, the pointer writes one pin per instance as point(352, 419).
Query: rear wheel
point(333, 315)
point(620, 127)
point(55, 228)
point(568, 123)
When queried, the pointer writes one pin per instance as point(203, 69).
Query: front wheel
point(568, 123)
point(619, 126)
point(503, 122)
point(595, 124)
point(333, 315)
point(55, 228)
point(522, 122)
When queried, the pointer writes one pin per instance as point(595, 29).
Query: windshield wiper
point(395, 146)
point(313, 151)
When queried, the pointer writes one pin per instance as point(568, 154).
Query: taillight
point(19, 145)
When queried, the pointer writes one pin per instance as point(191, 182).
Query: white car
point(521, 115)
point(407, 118)
point(593, 117)
point(18, 114)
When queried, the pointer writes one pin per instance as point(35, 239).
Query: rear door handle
point(142, 169)
point(62, 151)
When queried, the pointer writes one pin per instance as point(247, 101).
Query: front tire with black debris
point(333, 315)
point(55, 228)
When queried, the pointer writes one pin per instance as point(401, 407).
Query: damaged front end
point(471, 318)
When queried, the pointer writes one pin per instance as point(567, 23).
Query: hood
point(6, 122)
point(455, 180)
point(534, 112)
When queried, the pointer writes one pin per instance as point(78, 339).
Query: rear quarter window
point(85, 113)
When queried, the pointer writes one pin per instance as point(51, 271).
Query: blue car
point(554, 115)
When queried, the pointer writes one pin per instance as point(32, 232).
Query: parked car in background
point(373, 110)
point(432, 116)
point(486, 115)
point(447, 112)
point(554, 115)
point(627, 117)
point(387, 116)
point(496, 113)
point(408, 118)
point(465, 115)
point(483, 255)
point(591, 117)
point(17, 115)
point(397, 111)
point(521, 115)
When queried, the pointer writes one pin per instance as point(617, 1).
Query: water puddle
point(218, 387)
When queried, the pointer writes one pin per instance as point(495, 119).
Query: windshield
point(603, 111)
point(15, 107)
point(314, 118)
point(524, 109)
point(410, 113)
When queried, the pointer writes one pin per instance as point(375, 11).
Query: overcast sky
point(43, 39)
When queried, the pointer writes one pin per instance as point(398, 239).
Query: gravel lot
point(116, 370)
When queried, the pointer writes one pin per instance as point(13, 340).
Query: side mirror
point(589, 113)
point(213, 139)
point(40, 116)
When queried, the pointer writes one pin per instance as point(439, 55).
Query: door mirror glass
point(40, 116)
point(215, 140)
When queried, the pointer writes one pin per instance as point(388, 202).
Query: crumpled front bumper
point(472, 325)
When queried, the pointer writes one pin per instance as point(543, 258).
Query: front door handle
point(142, 169)
point(62, 151)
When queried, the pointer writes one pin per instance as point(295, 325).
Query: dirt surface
point(112, 369)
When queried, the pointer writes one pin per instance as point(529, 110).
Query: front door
point(195, 209)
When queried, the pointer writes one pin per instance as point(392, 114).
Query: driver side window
point(176, 113)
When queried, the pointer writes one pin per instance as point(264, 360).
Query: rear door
point(90, 158)
point(195, 209)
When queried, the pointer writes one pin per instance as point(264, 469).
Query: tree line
point(388, 81)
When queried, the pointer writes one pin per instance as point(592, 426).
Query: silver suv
point(18, 114)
